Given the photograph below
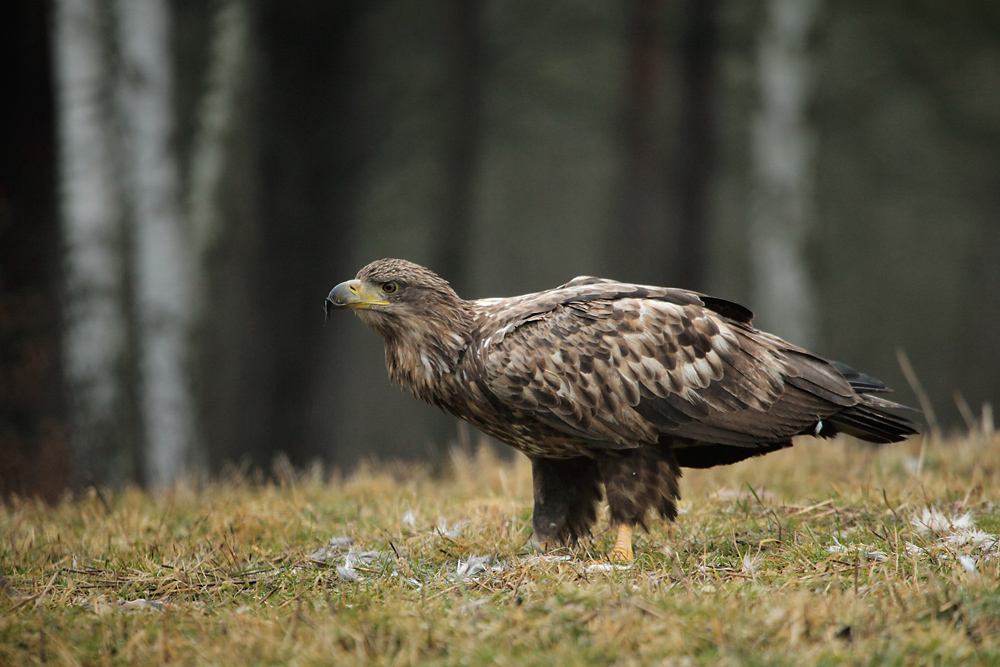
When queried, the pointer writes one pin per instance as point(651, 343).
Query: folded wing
point(628, 367)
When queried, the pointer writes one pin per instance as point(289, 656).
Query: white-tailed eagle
point(609, 385)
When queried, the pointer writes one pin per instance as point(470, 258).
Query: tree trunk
point(310, 175)
point(635, 238)
point(223, 202)
point(216, 116)
point(96, 336)
point(782, 148)
point(163, 296)
point(34, 438)
point(462, 136)
point(693, 170)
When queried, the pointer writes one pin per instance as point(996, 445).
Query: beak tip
point(340, 297)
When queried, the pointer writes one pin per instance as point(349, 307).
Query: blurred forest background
point(182, 182)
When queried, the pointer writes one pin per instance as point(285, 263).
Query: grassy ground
point(827, 553)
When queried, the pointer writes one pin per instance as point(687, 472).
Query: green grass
point(746, 575)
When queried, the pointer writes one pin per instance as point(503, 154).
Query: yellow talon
point(622, 551)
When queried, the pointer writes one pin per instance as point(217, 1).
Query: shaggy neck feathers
point(424, 346)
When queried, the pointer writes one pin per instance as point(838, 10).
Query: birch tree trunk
point(226, 76)
point(781, 209)
point(127, 276)
point(224, 205)
point(163, 294)
point(96, 323)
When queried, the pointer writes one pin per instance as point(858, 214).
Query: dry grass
point(808, 556)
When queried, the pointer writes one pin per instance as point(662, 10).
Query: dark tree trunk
point(631, 243)
point(309, 173)
point(34, 446)
point(694, 158)
point(463, 125)
point(219, 99)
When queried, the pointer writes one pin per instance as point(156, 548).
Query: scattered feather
point(545, 558)
point(968, 563)
point(473, 566)
point(933, 521)
point(453, 532)
point(865, 550)
point(970, 536)
point(606, 567)
point(141, 604)
point(331, 551)
point(954, 533)
point(347, 571)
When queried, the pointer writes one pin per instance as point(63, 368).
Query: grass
point(822, 554)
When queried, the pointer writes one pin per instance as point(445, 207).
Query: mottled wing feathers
point(559, 368)
point(601, 364)
point(622, 364)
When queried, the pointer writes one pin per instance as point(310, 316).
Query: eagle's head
point(423, 322)
point(393, 294)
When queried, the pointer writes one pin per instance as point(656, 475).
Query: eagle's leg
point(637, 481)
point(622, 551)
point(566, 495)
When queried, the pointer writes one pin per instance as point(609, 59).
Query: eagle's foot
point(621, 552)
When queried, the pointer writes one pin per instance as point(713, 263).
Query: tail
point(871, 418)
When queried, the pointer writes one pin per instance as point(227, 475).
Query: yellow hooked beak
point(355, 295)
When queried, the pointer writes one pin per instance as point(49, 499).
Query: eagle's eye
point(390, 287)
